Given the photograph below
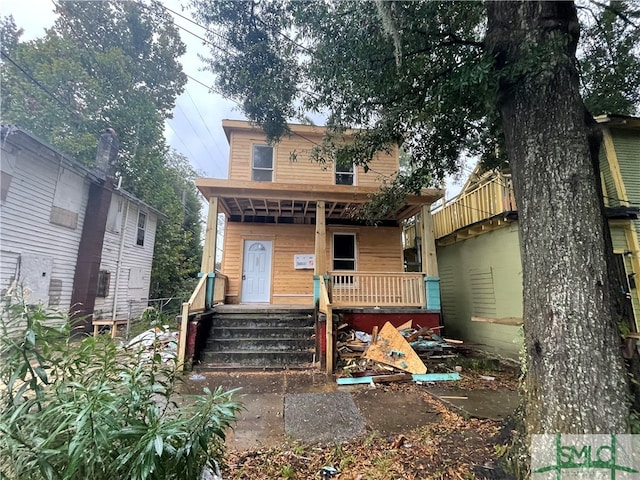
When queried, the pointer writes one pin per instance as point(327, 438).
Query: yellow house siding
point(627, 147)
point(618, 238)
point(609, 184)
point(482, 276)
point(301, 169)
point(240, 154)
point(378, 249)
point(287, 241)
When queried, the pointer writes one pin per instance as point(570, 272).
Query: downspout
point(119, 262)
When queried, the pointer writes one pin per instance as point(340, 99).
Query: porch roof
point(280, 200)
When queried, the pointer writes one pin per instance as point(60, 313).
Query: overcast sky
point(196, 127)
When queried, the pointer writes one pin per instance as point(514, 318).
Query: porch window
point(345, 175)
point(344, 251)
point(142, 225)
point(262, 167)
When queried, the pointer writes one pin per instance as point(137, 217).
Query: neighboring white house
point(68, 233)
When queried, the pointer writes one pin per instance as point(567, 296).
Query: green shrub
point(85, 409)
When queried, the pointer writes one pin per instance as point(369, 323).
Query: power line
point(206, 29)
point(192, 128)
point(42, 87)
point(205, 123)
point(180, 139)
point(213, 89)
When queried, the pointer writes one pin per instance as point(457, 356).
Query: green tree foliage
point(90, 410)
point(112, 64)
point(495, 79)
point(177, 257)
point(430, 87)
point(610, 60)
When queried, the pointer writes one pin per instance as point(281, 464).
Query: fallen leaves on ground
point(450, 448)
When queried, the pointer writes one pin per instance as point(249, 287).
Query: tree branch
point(621, 15)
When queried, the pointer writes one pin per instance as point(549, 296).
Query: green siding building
point(478, 244)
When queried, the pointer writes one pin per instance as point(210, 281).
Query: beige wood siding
point(378, 249)
point(301, 169)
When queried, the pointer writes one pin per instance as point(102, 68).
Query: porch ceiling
point(279, 200)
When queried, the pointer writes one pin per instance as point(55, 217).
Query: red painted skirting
point(366, 321)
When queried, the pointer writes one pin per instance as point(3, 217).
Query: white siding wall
point(135, 268)
point(26, 230)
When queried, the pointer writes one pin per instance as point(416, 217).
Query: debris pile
point(156, 340)
point(392, 350)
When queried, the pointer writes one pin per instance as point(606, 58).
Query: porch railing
point(377, 289)
point(325, 306)
point(210, 289)
point(219, 288)
point(492, 198)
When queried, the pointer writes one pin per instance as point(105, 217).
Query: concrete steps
point(260, 339)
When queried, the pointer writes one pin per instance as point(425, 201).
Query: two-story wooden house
point(291, 239)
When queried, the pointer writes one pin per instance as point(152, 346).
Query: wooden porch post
point(429, 261)
point(320, 267)
point(428, 250)
point(211, 234)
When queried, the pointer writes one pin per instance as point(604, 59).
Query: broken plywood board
point(426, 377)
point(391, 348)
point(405, 325)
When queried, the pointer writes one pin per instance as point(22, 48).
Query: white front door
point(256, 271)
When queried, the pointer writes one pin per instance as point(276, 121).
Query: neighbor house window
point(344, 175)
point(262, 167)
point(103, 283)
point(142, 225)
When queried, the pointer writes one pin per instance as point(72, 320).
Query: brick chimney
point(85, 281)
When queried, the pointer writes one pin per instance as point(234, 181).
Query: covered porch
point(318, 210)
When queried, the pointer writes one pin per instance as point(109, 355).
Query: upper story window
point(262, 166)
point(142, 225)
point(345, 175)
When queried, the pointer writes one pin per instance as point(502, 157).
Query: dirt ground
point(451, 447)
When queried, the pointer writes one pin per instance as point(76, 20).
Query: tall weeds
point(86, 409)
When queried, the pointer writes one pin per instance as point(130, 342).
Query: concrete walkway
point(312, 408)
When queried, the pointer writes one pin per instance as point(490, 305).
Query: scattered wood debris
point(386, 352)
point(162, 341)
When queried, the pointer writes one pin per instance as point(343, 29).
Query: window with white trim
point(344, 251)
point(142, 225)
point(345, 175)
point(344, 256)
point(262, 163)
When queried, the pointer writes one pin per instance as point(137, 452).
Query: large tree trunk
point(575, 380)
